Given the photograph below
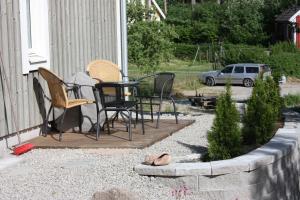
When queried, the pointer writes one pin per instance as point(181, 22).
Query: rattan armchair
point(59, 99)
point(104, 71)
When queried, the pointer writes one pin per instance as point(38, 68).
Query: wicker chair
point(162, 89)
point(104, 71)
point(107, 71)
point(59, 99)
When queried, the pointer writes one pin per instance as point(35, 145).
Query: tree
point(242, 22)
point(149, 42)
point(224, 140)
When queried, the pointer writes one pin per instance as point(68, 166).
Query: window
point(34, 34)
point(239, 70)
point(252, 70)
point(227, 70)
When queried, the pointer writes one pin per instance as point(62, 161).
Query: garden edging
point(268, 172)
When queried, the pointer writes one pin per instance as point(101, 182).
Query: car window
point(251, 69)
point(227, 70)
point(239, 70)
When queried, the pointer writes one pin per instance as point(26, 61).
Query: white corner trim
point(119, 41)
point(24, 38)
point(162, 14)
point(293, 18)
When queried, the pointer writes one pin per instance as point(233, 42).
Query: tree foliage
point(225, 137)
point(149, 42)
point(233, 21)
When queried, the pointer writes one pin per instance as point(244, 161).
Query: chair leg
point(142, 116)
point(151, 109)
point(61, 123)
point(98, 125)
point(80, 120)
point(107, 122)
point(129, 127)
point(175, 112)
point(158, 114)
point(136, 115)
point(45, 125)
point(114, 118)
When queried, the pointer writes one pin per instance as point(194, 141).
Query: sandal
point(149, 159)
point(163, 159)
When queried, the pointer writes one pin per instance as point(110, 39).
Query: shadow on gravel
point(195, 148)
point(292, 114)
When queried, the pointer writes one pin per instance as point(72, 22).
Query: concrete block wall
point(270, 172)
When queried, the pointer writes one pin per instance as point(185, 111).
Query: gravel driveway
point(241, 92)
point(78, 174)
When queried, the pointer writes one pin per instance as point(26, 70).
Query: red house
point(288, 25)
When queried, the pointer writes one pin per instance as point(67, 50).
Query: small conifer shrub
point(225, 137)
point(263, 110)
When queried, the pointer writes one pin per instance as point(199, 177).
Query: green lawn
point(186, 73)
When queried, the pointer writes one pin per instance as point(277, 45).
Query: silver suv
point(242, 73)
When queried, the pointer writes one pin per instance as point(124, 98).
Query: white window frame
point(39, 54)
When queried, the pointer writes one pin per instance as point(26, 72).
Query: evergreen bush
point(262, 112)
point(225, 137)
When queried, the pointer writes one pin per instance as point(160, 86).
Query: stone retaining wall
point(270, 172)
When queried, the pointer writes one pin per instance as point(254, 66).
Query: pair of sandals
point(158, 160)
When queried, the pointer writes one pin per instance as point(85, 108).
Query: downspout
point(124, 52)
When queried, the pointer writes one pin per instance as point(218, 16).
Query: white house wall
point(80, 31)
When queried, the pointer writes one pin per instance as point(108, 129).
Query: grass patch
point(186, 73)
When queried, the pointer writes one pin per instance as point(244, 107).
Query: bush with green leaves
point(244, 54)
point(292, 100)
point(224, 140)
point(136, 11)
point(282, 47)
point(263, 110)
point(185, 51)
point(284, 59)
point(149, 44)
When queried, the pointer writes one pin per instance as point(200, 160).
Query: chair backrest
point(163, 82)
point(104, 70)
point(56, 88)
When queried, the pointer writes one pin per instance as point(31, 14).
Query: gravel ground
point(241, 92)
point(78, 174)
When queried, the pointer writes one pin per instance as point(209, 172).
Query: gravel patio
point(79, 173)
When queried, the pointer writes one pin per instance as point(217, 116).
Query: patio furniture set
point(113, 93)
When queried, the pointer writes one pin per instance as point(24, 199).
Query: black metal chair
point(162, 89)
point(116, 101)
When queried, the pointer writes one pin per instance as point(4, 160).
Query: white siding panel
point(80, 31)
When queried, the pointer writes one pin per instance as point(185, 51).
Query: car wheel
point(248, 82)
point(210, 81)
